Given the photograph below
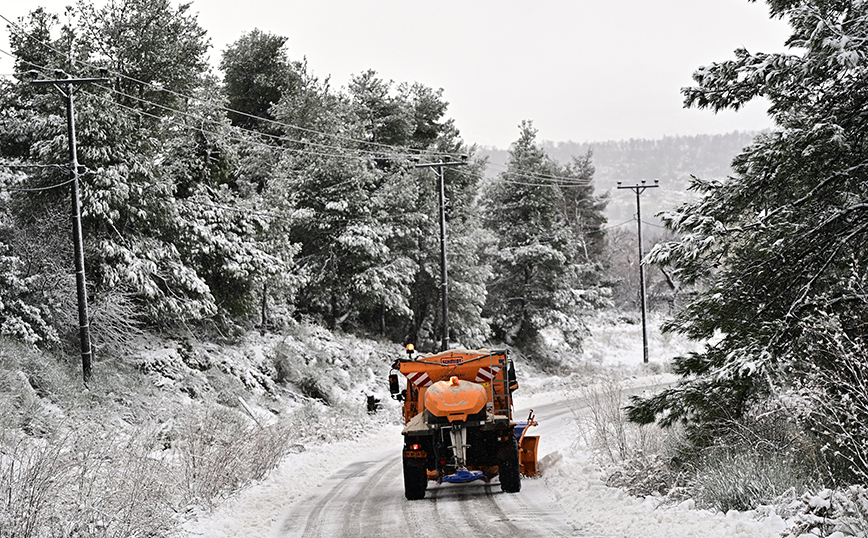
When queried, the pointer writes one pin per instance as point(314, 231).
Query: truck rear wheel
point(415, 482)
point(510, 475)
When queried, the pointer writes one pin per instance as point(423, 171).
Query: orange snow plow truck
point(458, 420)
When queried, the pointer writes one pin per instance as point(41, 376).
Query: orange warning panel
point(527, 455)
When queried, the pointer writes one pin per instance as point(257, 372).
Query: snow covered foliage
point(301, 201)
point(150, 183)
point(833, 513)
point(780, 246)
point(175, 428)
point(546, 222)
point(830, 398)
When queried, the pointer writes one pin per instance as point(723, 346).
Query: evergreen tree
point(780, 246)
point(161, 202)
point(537, 265)
point(256, 73)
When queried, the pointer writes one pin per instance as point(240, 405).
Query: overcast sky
point(582, 70)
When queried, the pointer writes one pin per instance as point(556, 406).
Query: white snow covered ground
point(574, 479)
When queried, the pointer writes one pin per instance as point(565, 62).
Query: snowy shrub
point(22, 315)
point(726, 479)
point(832, 397)
point(605, 428)
point(823, 513)
point(292, 365)
point(115, 322)
point(85, 484)
point(221, 451)
point(643, 475)
point(32, 479)
point(637, 458)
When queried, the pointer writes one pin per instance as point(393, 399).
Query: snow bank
point(594, 508)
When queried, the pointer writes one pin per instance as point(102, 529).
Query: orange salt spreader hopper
point(455, 399)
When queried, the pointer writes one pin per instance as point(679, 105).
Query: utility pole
point(67, 87)
point(446, 162)
point(639, 189)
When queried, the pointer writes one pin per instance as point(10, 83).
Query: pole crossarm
point(441, 164)
point(639, 188)
point(73, 81)
point(446, 163)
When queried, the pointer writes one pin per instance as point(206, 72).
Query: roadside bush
point(221, 451)
point(604, 427)
point(637, 458)
point(826, 512)
point(757, 458)
point(642, 475)
point(84, 484)
point(832, 401)
point(726, 479)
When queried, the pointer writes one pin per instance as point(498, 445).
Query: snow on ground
point(257, 510)
point(577, 483)
point(575, 480)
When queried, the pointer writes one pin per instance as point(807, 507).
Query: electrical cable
point(266, 135)
point(12, 165)
point(225, 109)
point(229, 136)
point(557, 180)
point(612, 226)
point(36, 189)
point(399, 151)
point(363, 153)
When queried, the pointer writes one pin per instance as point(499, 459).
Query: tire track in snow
point(315, 520)
point(499, 512)
point(361, 518)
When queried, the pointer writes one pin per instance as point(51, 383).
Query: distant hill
point(671, 160)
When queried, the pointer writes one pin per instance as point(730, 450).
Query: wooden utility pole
point(67, 87)
point(444, 163)
point(639, 189)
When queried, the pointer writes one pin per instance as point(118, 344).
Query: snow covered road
point(355, 488)
point(366, 499)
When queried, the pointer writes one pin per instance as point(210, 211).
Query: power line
point(565, 180)
point(226, 109)
point(399, 151)
point(361, 154)
point(654, 225)
point(15, 165)
point(36, 189)
point(215, 122)
point(613, 226)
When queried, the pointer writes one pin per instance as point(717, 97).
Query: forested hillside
point(260, 195)
point(672, 160)
point(252, 234)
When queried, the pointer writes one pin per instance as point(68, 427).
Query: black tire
point(415, 482)
point(510, 475)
